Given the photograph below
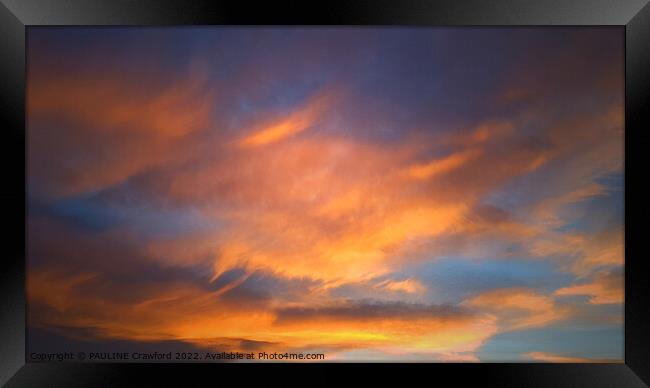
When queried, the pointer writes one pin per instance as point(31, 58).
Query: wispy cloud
point(605, 288)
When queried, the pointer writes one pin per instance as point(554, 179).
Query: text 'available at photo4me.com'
point(172, 356)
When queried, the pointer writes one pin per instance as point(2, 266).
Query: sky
point(372, 194)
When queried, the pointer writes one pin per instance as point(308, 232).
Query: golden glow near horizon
point(228, 205)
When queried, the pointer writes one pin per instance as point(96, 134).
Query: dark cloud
point(369, 310)
point(87, 340)
point(74, 339)
point(490, 214)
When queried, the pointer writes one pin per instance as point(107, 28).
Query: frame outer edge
point(637, 122)
point(12, 274)
point(12, 88)
point(376, 12)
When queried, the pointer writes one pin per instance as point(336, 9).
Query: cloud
point(186, 312)
point(519, 308)
point(440, 166)
point(582, 253)
point(369, 311)
point(110, 124)
point(549, 357)
point(299, 120)
point(392, 326)
point(605, 288)
point(410, 286)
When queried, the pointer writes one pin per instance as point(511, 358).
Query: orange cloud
point(113, 126)
point(605, 288)
point(299, 120)
point(549, 357)
point(177, 311)
point(547, 210)
point(186, 313)
point(489, 131)
point(113, 102)
point(410, 286)
point(394, 327)
point(604, 249)
point(441, 166)
point(519, 308)
point(583, 253)
point(325, 202)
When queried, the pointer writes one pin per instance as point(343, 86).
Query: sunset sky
point(411, 194)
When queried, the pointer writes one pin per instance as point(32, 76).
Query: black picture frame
point(16, 15)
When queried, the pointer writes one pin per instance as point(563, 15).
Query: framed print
point(421, 189)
